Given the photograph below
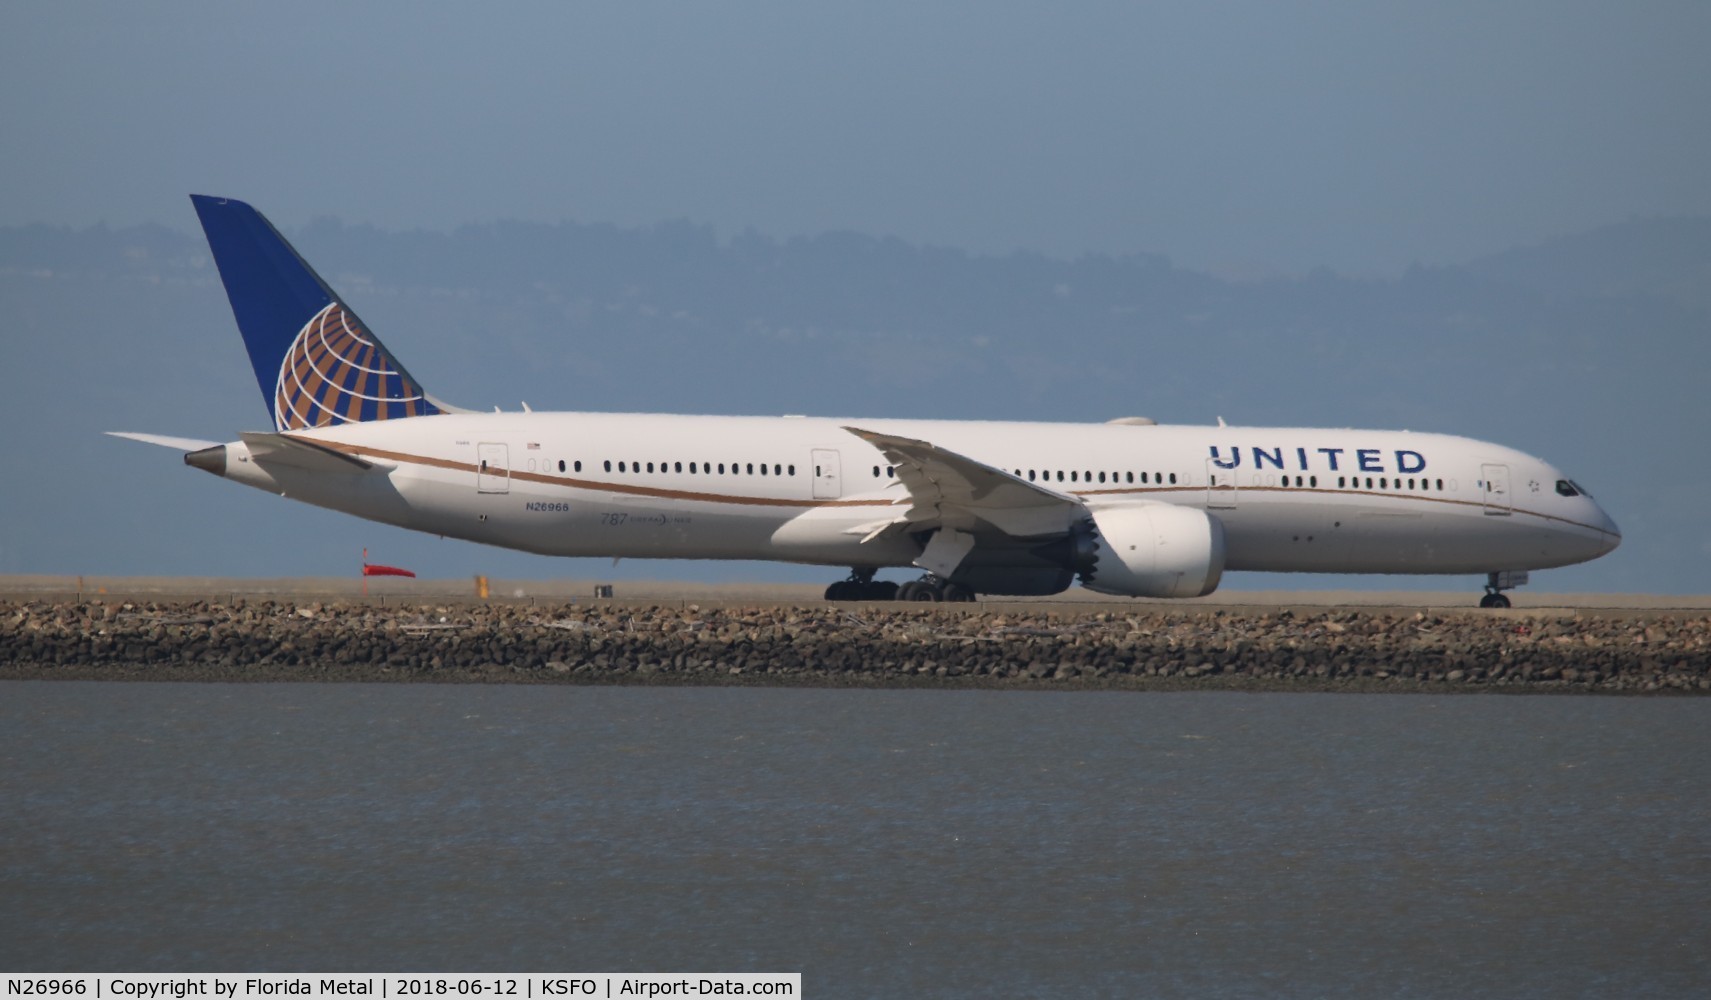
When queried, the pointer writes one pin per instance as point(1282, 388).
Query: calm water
point(883, 843)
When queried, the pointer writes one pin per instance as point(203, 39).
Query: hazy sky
point(1245, 137)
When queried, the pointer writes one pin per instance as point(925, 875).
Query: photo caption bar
point(387, 986)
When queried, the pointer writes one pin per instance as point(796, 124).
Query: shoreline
point(1089, 646)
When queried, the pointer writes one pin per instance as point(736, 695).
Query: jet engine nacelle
point(1154, 550)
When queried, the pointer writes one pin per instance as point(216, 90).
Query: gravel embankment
point(859, 645)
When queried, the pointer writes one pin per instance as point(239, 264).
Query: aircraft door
point(1220, 486)
point(493, 474)
point(828, 481)
point(1496, 479)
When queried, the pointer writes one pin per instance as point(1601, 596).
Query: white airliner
point(1130, 507)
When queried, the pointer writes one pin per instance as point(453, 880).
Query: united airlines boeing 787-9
point(1128, 507)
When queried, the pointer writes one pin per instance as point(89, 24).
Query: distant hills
point(1655, 258)
point(1590, 349)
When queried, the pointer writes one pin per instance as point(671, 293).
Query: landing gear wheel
point(881, 590)
point(919, 590)
point(861, 587)
point(958, 594)
point(1497, 583)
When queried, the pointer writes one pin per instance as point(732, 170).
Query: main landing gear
point(861, 586)
point(931, 588)
point(1497, 583)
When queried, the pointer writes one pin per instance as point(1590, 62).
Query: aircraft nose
point(1612, 535)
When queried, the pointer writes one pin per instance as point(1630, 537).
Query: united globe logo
point(336, 373)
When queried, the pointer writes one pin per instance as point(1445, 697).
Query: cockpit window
point(1567, 489)
point(1581, 489)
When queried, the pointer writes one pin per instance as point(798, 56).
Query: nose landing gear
point(1497, 583)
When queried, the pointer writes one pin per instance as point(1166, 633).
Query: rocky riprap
point(1147, 646)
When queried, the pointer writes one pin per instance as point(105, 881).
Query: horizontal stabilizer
point(281, 449)
point(175, 443)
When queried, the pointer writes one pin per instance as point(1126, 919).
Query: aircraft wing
point(966, 499)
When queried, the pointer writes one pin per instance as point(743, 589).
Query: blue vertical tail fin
point(316, 363)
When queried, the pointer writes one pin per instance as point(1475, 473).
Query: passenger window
point(763, 468)
point(608, 465)
point(876, 472)
point(1060, 475)
point(1128, 477)
point(1173, 479)
point(1072, 476)
point(1030, 475)
point(721, 468)
point(1102, 477)
point(891, 472)
point(792, 470)
point(650, 466)
point(1312, 480)
point(1383, 485)
point(561, 465)
point(692, 468)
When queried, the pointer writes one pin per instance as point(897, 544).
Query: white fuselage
point(800, 489)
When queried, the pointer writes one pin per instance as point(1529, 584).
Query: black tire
point(918, 590)
point(880, 590)
point(839, 591)
point(1494, 601)
point(958, 594)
